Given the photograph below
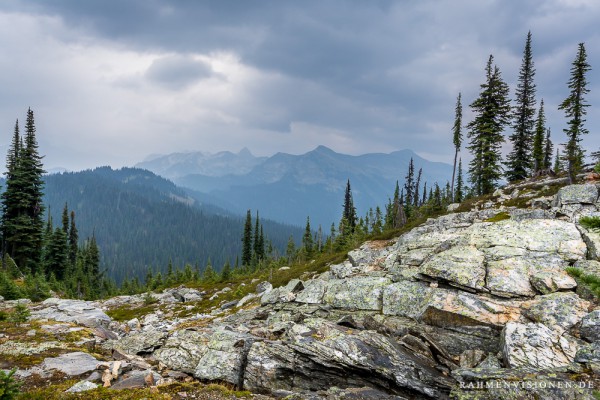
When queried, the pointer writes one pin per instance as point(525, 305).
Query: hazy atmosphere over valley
point(112, 82)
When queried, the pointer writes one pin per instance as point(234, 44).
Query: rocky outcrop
point(466, 299)
point(318, 354)
point(81, 312)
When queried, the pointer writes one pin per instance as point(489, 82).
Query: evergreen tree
point(290, 251)
point(65, 219)
point(57, 256)
point(349, 214)
point(257, 251)
point(547, 151)
point(538, 151)
point(377, 222)
point(456, 134)
point(73, 240)
point(247, 241)
point(459, 192)
point(307, 239)
point(491, 111)
point(261, 244)
point(409, 183)
point(574, 107)
point(424, 200)
point(519, 159)
point(32, 170)
point(225, 272)
point(209, 273)
point(557, 163)
point(416, 193)
point(12, 197)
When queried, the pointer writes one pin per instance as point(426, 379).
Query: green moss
point(174, 390)
point(590, 282)
point(125, 313)
point(592, 223)
point(501, 216)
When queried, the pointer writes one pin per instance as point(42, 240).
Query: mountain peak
point(245, 152)
point(323, 150)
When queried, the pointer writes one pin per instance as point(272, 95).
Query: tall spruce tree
point(574, 107)
point(349, 215)
point(548, 148)
point(416, 193)
point(73, 240)
point(307, 239)
point(409, 183)
point(459, 191)
point(538, 151)
point(519, 159)
point(491, 109)
point(12, 197)
point(23, 223)
point(456, 135)
point(247, 241)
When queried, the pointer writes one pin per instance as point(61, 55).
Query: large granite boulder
point(80, 312)
point(576, 194)
point(139, 342)
point(71, 364)
point(536, 345)
point(590, 327)
point(216, 354)
point(446, 307)
point(359, 293)
point(559, 311)
point(318, 354)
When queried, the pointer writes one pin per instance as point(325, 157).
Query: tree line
point(35, 253)
point(532, 148)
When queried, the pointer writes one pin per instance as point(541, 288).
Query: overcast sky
point(112, 81)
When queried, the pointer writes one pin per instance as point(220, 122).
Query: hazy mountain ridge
point(219, 164)
point(289, 188)
point(141, 219)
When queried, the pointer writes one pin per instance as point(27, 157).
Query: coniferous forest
point(100, 232)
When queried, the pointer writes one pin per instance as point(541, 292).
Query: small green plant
point(592, 282)
point(3, 316)
point(592, 223)
point(597, 168)
point(9, 387)
point(149, 299)
point(501, 216)
point(19, 315)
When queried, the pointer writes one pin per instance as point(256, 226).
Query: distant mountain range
point(287, 187)
point(141, 220)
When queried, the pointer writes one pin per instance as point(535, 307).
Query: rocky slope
point(471, 305)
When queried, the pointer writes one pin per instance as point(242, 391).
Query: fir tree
point(57, 256)
point(456, 134)
point(409, 183)
point(65, 219)
point(519, 159)
point(258, 252)
point(247, 241)
point(548, 151)
point(225, 272)
point(416, 193)
point(458, 193)
point(349, 214)
point(557, 163)
point(73, 240)
point(538, 151)
point(30, 248)
point(574, 107)
point(307, 239)
point(491, 111)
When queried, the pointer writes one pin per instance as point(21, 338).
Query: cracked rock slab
point(536, 345)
